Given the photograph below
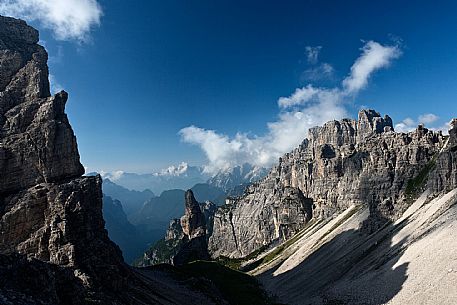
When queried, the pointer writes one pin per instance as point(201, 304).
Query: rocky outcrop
point(194, 244)
point(443, 176)
point(48, 212)
point(187, 238)
point(54, 248)
point(37, 143)
point(347, 162)
point(193, 222)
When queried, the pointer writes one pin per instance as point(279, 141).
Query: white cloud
point(299, 97)
point(174, 170)
point(319, 72)
point(305, 108)
point(68, 19)
point(374, 56)
point(56, 87)
point(406, 125)
point(316, 71)
point(113, 176)
point(428, 119)
point(312, 54)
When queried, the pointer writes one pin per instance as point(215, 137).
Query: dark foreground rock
point(54, 248)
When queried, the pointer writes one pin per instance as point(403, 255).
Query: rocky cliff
point(54, 248)
point(186, 239)
point(343, 163)
point(48, 211)
point(336, 260)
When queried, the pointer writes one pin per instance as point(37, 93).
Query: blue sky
point(144, 70)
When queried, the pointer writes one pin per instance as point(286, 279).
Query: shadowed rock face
point(54, 248)
point(342, 163)
point(48, 212)
point(37, 143)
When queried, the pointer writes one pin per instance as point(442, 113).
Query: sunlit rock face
point(342, 163)
point(186, 239)
point(444, 173)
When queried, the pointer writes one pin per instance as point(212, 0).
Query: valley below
point(357, 214)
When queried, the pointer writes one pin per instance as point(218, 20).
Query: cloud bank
point(68, 19)
point(429, 120)
point(306, 107)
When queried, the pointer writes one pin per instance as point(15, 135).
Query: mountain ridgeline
point(343, 163)
point(357, 214)
point(336, 213)
point(54, 248)
point(135, 219)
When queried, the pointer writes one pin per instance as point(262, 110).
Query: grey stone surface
point(186, 238)
point(54, 248)
point(37, 143)
point(443, 175)
point(342, 163)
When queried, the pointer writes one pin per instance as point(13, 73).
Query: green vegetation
point(415, 185)
point(162, 249)
point(236, 263)
point(236, 287)
point(276, 252)
point(341, 221)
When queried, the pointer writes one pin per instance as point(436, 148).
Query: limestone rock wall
point(444, 170)
point(48, 212)
point(37, 143)
point(342, 163)
point(54, 248)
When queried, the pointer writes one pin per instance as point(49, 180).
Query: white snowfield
point(412, 261)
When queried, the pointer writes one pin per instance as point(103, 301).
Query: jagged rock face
point(261, 216)
point(453, 134)
point(193, 222)
point(24, 74)
point(37, 143)
point(54, 248)
point(57, 223)
point(340, 164)
point(443, 175)
point(209, 209)
point(48, 212)
point(194, 244)
point(187, 238)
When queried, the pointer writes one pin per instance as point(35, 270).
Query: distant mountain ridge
point(135, 220)
point(185, 176)
point(182, 176)
point(232, 177)
point(130, 238)
point(131, 200)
